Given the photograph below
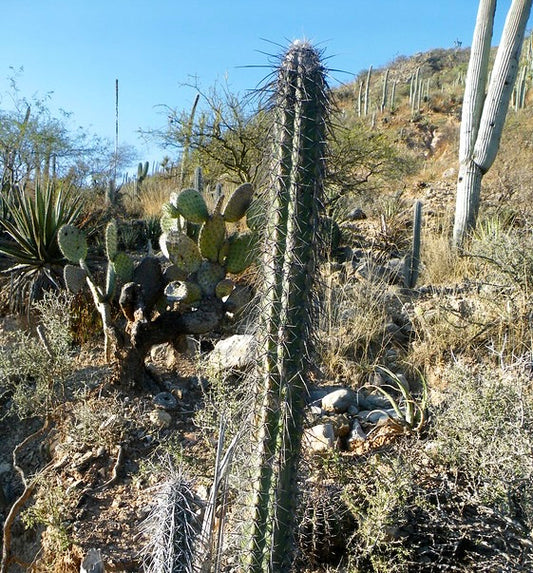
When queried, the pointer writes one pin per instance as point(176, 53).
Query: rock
point(339, 400)
point(340, 422)
point(377, 417)
point(377, 378)
point(353, 409)
point(401, 379)
point(356, 435)
point(315, 410)
point(163, 354)
point(234, 353)
point(160, 418)
point(394, 271)
point(449, 173)
point(165, 400)
point(93, 562)
point(319, 438)
point(356, 214)
point(373, 401)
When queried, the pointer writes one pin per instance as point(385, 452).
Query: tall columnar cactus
point(142, 173)
point(485, 109)
point(289, 264)
point(385, 92)
point(367, 91)
point(412, 260)
point(73, 244)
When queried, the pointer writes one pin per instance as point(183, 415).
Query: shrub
point(31, 223)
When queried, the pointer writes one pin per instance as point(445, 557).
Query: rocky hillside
point(419, 416)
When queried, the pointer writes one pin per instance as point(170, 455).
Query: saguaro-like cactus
point(289, 264)
point(484, 111)
point(142, 173)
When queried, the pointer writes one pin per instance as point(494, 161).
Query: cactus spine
point(289, 263)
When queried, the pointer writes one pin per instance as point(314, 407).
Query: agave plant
point(31, 222)
point(410, 413)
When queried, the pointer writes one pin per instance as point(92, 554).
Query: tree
point(226, 137)
point(483, 115)
point(37, 145)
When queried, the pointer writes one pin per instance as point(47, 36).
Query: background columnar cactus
point(485, 108)
point(142, 173)
point(289, 265)
point(412, 260)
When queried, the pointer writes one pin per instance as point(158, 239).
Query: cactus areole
point(290, 254)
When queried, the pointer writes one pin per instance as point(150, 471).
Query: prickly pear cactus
point(190, 204)
point(215, 253)
point(73, 244)
point(238, 203)
point(212, 235)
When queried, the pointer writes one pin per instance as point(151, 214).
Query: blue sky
point(77, 48)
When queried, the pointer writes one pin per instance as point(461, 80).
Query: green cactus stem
point(289, 264)
point(142, 173)
point(412, 260)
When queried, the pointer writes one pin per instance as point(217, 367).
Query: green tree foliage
point(226, 137)
point(39, 145)
point(362, 159)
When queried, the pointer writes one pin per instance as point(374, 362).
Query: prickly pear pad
point(191, 205)
point(73, 243)
point(238, 203)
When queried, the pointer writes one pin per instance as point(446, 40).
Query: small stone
point(319, 438)
point(234, 353)
point(339, 401)
point(377, 417)
point(165, 400)
point(449, 173)
point(352, 410)
point(160, 418)
point(356, 214)
point(162, 353)
point(373, 401)
point(340, 422)
point(401, 379)
point(357, 434)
